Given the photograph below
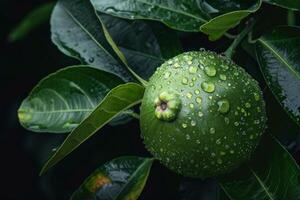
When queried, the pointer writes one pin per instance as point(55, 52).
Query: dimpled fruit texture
point(202, 115)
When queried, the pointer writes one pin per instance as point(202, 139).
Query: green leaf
point(120, 179)
point(278, 55)
point(31, 21)
point(116, 101)
point(80, 33)
point(272, 174)
point(77, 32)
point(63, 99)
point(289, 4)
point(217, 26)
point(177, 14)
point(137, 42)
point(182, 15)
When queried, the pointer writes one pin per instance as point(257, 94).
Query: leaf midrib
point(262, 184)
point(131, 177)
point(87, 32)
point(280, 57)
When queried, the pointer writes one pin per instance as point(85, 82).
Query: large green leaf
point(178, 14)
point(32, 20)
point(271, 175)
point(182, 15)
point(117, 100)
point(120, 179)
point(63, 99)
point(79, 32)
point(137, 42)
point(289, 4)
point(278, 54)
point(217, 26)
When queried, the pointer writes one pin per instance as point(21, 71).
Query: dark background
point(22, 153)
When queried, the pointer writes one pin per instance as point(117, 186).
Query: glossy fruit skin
point(219, 121)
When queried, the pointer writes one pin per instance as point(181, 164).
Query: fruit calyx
point(167, 106)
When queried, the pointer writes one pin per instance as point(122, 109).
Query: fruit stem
point(229, 52)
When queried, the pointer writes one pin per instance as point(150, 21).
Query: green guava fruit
point(202, 115)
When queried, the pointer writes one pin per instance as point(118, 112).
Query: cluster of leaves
point(119, 44)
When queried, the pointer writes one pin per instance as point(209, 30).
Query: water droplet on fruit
point(226, 119)
point(208, 87)
point(210, 71)
point(223, 77)
point(199, 100)
point(224, 106)
point(247, 105)
point(189, 95)
point(193, 123)
point(193, 69)
point(167, 74)
point(185, 81)
point(184, 125)
point(176, 65)
point(188, 137)
point(256, 97)
point(200, 114)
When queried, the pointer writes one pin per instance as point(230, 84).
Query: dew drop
point(167, 74)
point(185, 81)
point(199, 100)
point(189, 95)
point(231, 151)
point(197, 91)
point(91, 59)
point(256, 97)
point(193, 123)
point(200, 114)
point(210, 71)
point(191, 105)
point(212, 130)
point(184, 125)
point(236, 123)
point(226, 119)
point(219, 161)
point(193, 69)
point(208, 87)
point(223, 77)
point(188, 137)
point(176, 65)
point(247, 105)
point(224, 106)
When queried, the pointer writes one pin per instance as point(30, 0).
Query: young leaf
point(35, 18)
point(289, 4)
point(63, 99)
point(121, 178)
point(272, 174)
point(278, 55)
point(217, 26)
point(117, 100)
point(178, 14)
